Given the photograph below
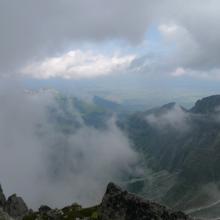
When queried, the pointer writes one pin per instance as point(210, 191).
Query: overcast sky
point(79, 39)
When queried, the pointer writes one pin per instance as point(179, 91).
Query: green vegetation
point(68, 213)
point(74, 212)
point(31, 216)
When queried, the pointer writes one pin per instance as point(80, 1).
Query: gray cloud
point(45, 165)
point(35, 29)
point(175, 118)
point(191, 33)
point(197, 33)
point(201, 21)
point(31, 29)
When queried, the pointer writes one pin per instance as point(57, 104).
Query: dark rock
point(16, 207)
point(44, 209)
point(2, 198)
point(118, 204)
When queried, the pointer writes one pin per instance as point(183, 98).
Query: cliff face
point(181, 149)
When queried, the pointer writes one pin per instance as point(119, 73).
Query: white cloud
point(168, 30)
point(212, 74)
point(179, 72)
point(175, 118)
point(78, 64)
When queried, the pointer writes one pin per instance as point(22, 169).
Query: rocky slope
point(13, 207)
point(117, 204)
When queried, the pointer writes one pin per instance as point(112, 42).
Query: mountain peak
point(165, 109)
point(210, 104)
point(169, 106)
point(112, 188)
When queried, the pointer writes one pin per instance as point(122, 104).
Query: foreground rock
point(16, 207)
point(118, 204)
point(12, 208)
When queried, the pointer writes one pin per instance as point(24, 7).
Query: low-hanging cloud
point(47, 166)
point(175, 118)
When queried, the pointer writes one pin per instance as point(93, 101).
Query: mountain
point(181, 153)
point(179, 148)
point(117, 204)
point(207, 105)
point(106, 104)
point(69, 113)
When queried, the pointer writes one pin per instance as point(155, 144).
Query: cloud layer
point(44, 165)
point(33, 31)
point(78, 64)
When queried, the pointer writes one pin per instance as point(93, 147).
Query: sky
point(173, 44)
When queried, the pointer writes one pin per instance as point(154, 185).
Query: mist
point(175, 119)
point(46, 166)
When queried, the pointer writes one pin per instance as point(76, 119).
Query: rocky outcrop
point(2, 198)
point(12, 208)
point(118, 204)
point(44, 209)
point(16, 207)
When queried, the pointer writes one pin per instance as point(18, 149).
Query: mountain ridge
point(182, 146)
point(209, 104)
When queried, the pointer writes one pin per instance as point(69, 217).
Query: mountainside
point(116, 204)
point(178, 150)
point(207, 105)
point(106, 104)
point(68, 113)
point(181, 148)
